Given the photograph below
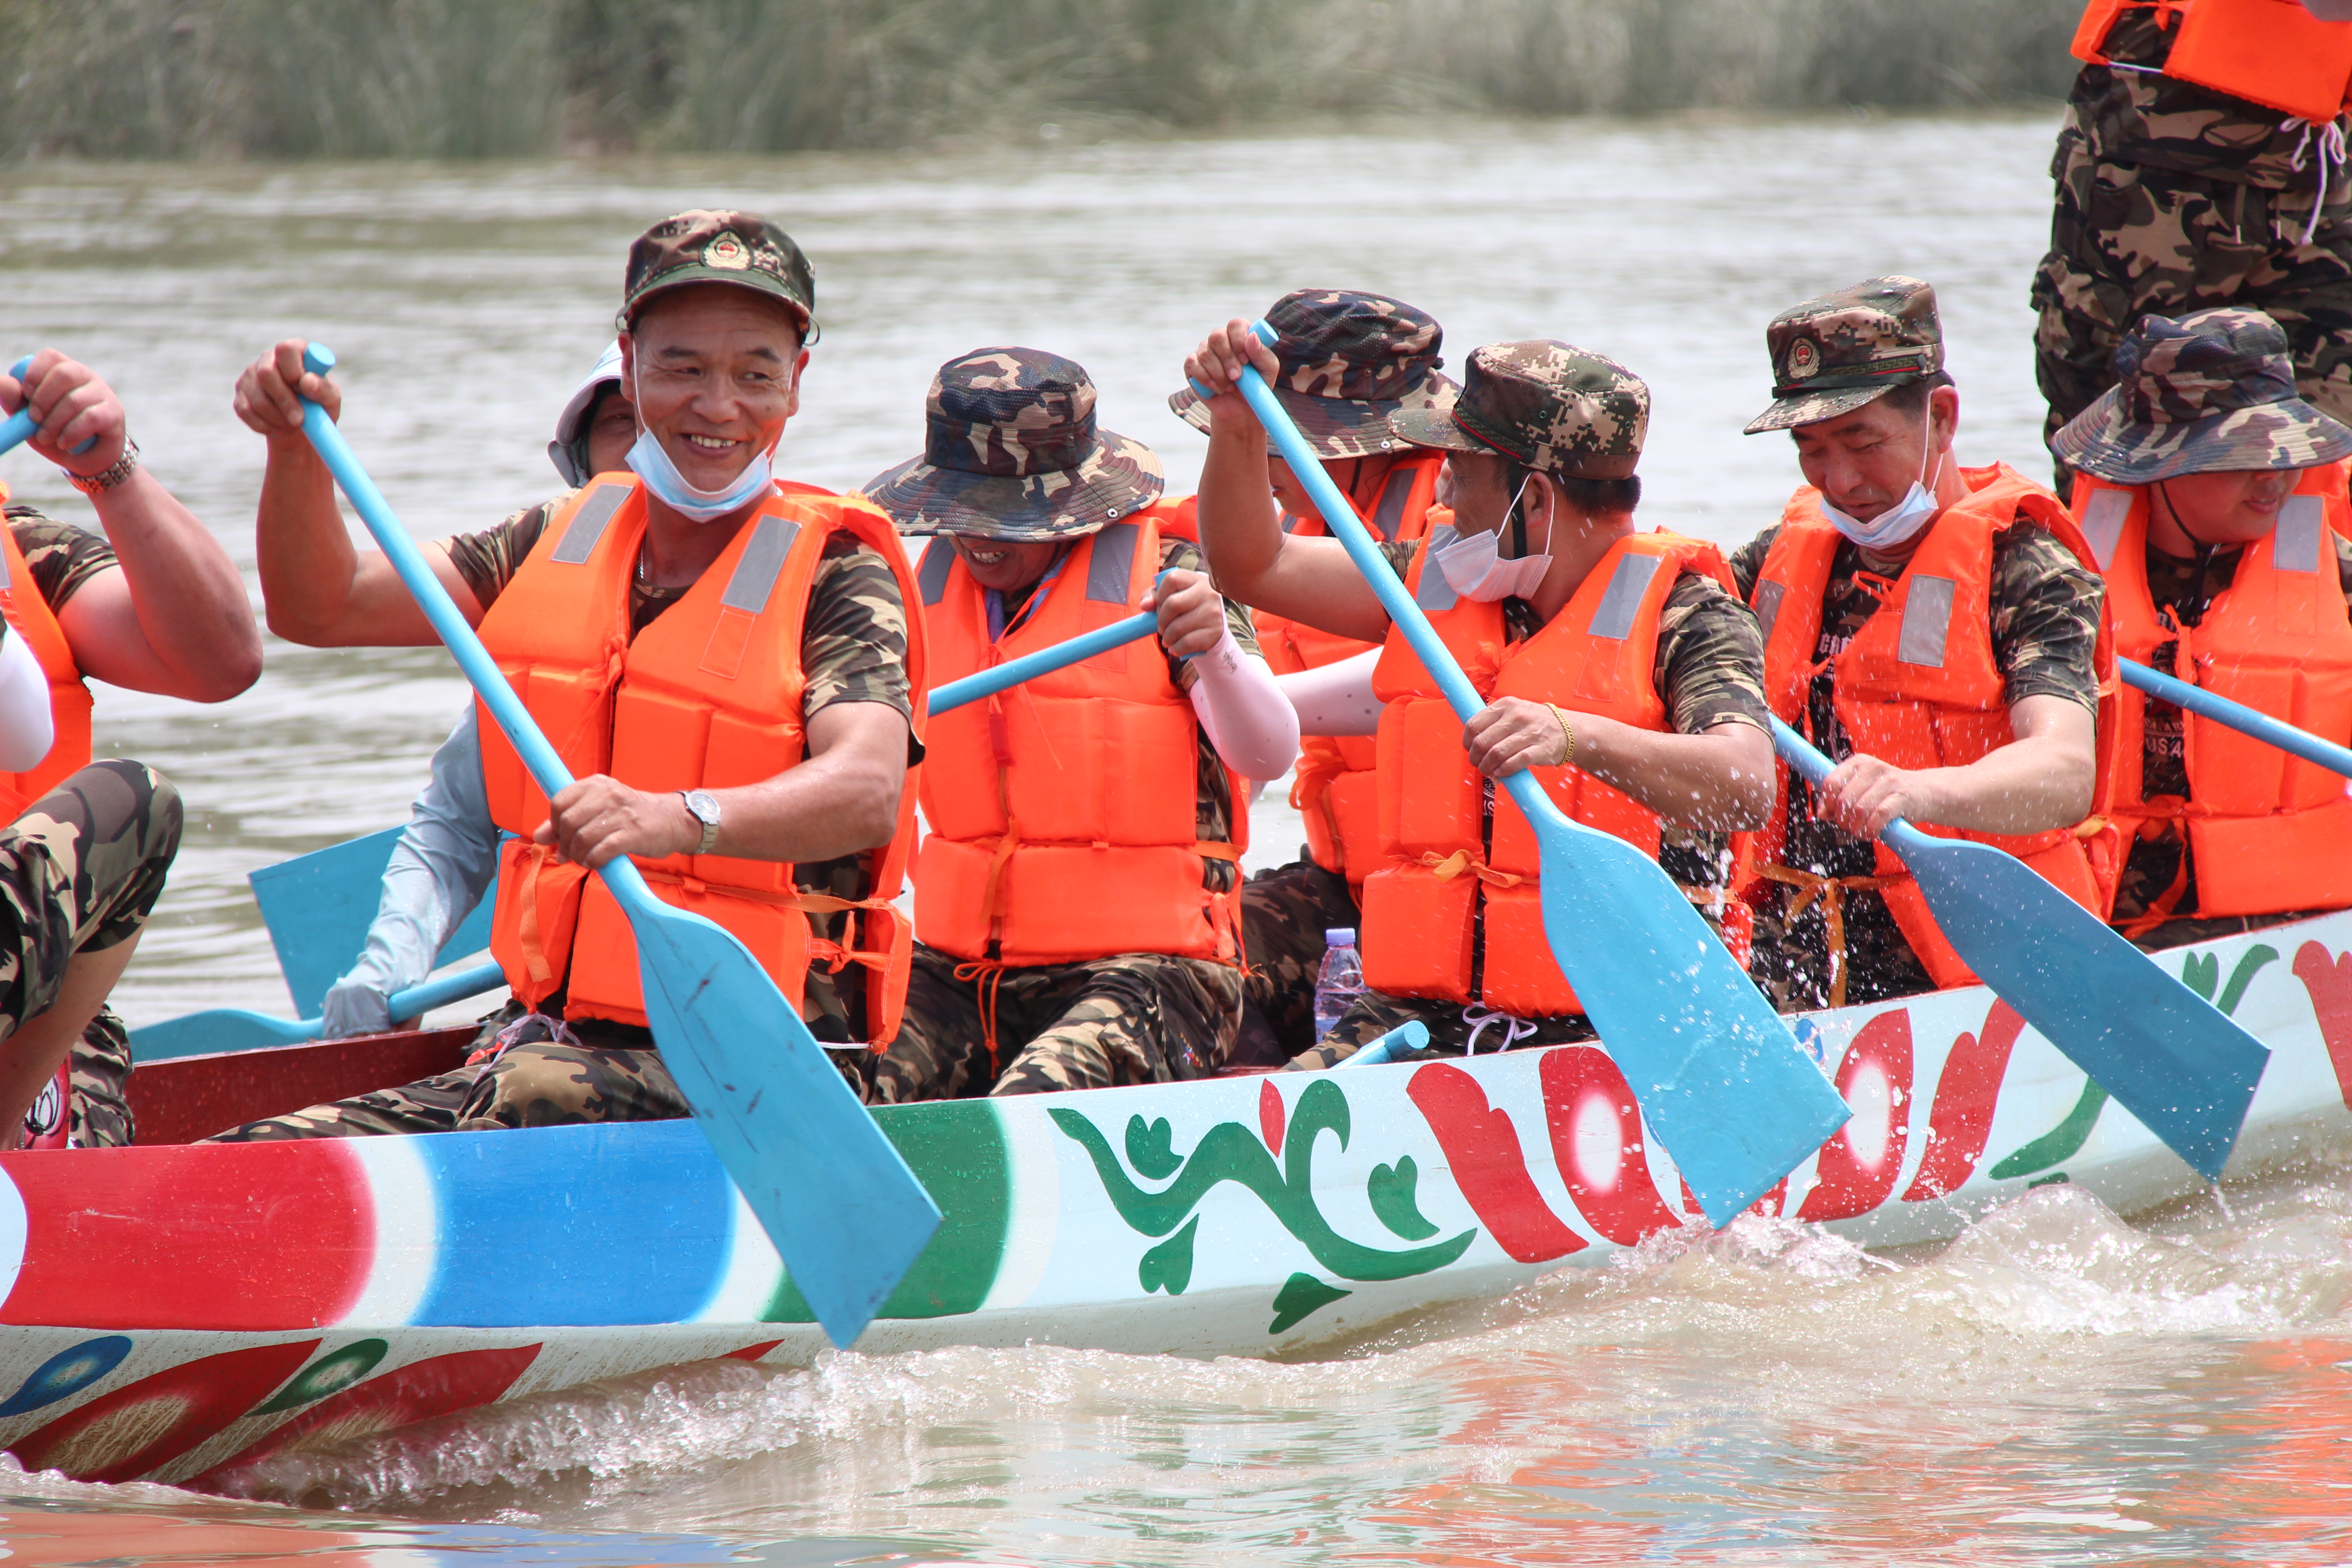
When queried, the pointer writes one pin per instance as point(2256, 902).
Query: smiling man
point(2213, 496)
point(1935, 629)
point(721, 658)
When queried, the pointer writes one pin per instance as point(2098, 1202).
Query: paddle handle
point(1340, 517)
point(453, 986)
point(1806, 758)
point(1044, 662)
point(2239, 717)
point(620, 873)
point(18, 426)
point(1412, 1036)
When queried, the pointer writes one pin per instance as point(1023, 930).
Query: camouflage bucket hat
point(738, 248)
point(1832, 354)
point(1545, 405)
point(1011, 451)
point(1348, 360)
point(2209, 393)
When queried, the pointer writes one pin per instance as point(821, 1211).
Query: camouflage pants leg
point(79, 872)
point(100, 1109)
point(1140, 1018)
point(2129, 241)
point(1455, 1030)
point(1285, 912)
point(428, 1105)
point(941, 1050)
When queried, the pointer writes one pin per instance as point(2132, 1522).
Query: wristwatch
point(703, 806)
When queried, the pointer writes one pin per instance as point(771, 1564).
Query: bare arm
point(172, 617)
point(1719, 779)
point(316, 587)
point(842, 799)
point(2039, 781)
point(1308, 579)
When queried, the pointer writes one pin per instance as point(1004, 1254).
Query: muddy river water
point(2057, 1386)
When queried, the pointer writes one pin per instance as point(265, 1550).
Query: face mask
point(1475, 567)
point(1898, 524)
point(653, 465)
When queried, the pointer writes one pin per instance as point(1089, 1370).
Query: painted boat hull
point(172, 1312)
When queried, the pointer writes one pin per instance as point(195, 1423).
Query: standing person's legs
point(1141, 1018)
point(2306, 286)
point(99, 1109)
point(79, 871)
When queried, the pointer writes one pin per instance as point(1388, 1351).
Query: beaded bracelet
point(1567, 730)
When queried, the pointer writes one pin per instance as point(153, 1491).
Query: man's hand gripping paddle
point(847, 1215)
point(2168, 1055)
point(1718, 1077)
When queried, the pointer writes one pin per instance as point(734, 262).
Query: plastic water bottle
point(1341, 980)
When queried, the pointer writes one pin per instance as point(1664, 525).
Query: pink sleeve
point(1249, 721)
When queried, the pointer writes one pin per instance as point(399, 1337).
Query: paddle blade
point(1718, 1077)
point(831, 1191)
point(318, 907)
point(2166, 1054)
point(221, 1029)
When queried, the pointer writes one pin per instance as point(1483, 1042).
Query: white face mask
point(1475, 567)
point(652, 463)
point(1899, 523)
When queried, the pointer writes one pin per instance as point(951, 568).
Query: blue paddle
point(1716, 1073)
point(2239, 717)
point(318, 908)
point(2168, 1055)
point(1411, 1036)
point(1044, 662)
point(236, 1029)
point(847, 1215)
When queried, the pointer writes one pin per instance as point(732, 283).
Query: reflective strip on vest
point(1927, 622)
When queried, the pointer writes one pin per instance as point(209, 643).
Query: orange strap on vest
point(2269, 832)
point(709, 696)
point(1449, 901)
point(1085, 844)
point(29, 617)
point(2269, 52)
point(1920, 687)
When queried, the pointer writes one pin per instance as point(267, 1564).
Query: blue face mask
point(653, 465)
point(1898, 524)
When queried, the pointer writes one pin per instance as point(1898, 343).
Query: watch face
point(704, 805)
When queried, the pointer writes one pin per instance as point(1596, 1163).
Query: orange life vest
point(709, 696)
point(30, 618)
point(1441, 893)
point(1064, 813)
point(2267, 832)
point(2269, 52)
point(1333, 787)
point(1918, 686)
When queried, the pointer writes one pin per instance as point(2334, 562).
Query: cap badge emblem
point(726, 253)
point(1804, 359)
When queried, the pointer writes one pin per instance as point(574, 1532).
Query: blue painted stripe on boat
point(630, 1223)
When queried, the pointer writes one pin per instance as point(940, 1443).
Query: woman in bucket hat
point(1348, 361)
point(2213, 496)
point(1075, 912)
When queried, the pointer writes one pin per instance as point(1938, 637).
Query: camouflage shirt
point(61, 556)
point(2127, 116)
point(2183, 593)
point(1214, 824)
point(2044, 624)
point(853, 649)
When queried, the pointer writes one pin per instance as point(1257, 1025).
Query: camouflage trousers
point(1455, 1030)
point(1285, 912)
point(538, 1082)
point(2128, 241)
point(1798, 960)
point(79, 871)
point(1140, 1018)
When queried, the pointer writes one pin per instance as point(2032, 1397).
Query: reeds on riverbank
point(290, 78)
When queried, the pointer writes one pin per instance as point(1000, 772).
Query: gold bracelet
point(1567, 731)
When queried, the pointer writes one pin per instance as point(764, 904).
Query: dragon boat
point(175, 1313)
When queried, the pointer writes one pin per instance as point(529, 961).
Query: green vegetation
point(459, 79)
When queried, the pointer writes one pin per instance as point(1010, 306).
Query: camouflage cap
point(2212, 392)
point(1545, 404)
point(1348, 360)
point(738, 248)
point(1832, 354)
point(1011, 451)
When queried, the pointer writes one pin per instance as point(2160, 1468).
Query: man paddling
point(1348, 361)
point(2213, 498)
point(448, 854)
point(1936, 630)
point(1617, 663)
point(153, 604)
point(1075, 905)
point(721, 658)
